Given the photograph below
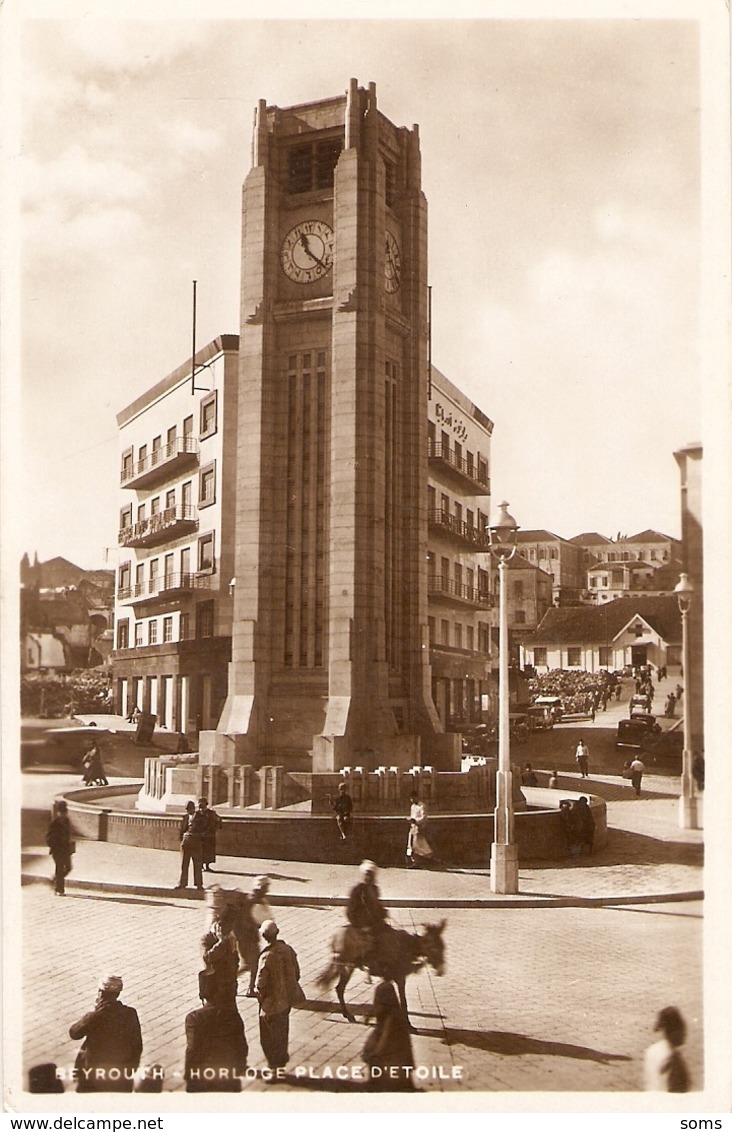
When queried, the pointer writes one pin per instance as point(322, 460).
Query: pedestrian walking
point(419, 850)
point(277, 988)
point(697, 772)
point(528, 776)
point(387, 1050)
point(665, 1070)
point(343, 810)
point(191, 846)
point(217, 983)
point(618, 690)
point(110, 1055)
point(252, 911)
point(210, 825)
point(670, 705)
point(60, 845)
point(637, 769)
point(554, 780)
point(216, 1049)
point(582, 758)
point(679, 692)
point(94, 774)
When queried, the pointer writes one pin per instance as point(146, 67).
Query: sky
point(560, 162)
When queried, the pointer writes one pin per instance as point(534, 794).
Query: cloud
point(133, 45)
point(76, 177)
point(188, 138)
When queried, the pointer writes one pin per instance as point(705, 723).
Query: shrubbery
point(83, 692)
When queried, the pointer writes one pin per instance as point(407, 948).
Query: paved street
point(534, 999)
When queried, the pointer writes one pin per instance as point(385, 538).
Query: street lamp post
point(504, 852)
point(688, 802)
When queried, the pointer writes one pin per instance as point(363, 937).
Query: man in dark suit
point(216, 1049)
point(110, 1055)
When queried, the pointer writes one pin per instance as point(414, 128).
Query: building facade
point(458, 559)
point(175, 574)
point(560, 558)
point(629, 632)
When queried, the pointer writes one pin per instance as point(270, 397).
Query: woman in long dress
point(419, 850)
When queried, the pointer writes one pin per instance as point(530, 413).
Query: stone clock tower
point(330, 656)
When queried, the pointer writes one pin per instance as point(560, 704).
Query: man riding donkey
point(366, 914)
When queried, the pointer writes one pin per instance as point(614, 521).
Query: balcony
point(458, 531)
point(169, 586)
point(449, 591)
point(162, 464)
point(166, 525)
point(469, 475)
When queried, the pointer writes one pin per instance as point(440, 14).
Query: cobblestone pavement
point(550, 999)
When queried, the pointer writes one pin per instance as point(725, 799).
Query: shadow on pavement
point(272, 876)
point(517, 1045)
point(626, 847)
point(146, 900)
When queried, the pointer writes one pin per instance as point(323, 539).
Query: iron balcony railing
point(163, 586)
point(439, 585)
point(160, 462)
point(465, 532)
point(157, 528)
point(476, 473)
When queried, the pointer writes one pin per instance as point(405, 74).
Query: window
point(167, 629)
point(123, 634)
point(206, 553)
point(389, 182)
point(205, 619)
point(604, 656)
point(207, 486)
point(593, 583)
point(124, 576)
point(138, 633)
point(125, 518)
point(431, 628)
point(187, 499)
point(169, 569)
point(139, 577)
point(445, 504)
point(170, 499)
point(539, 656)
point(184, 626)
point(470, 637)
point(208, 415)
point(142, 456)
point(153, 575)
point(518, 589)
point(156, 448)
point(458, 635)
point(520, 617)
point(185, 562)
point(188, 426)
point(312, 166)
point(127, 464)
point(171, 437)
point(141, 513)
point(155, 506)
point(574, 657)
point(445, 632)
point(152, 632)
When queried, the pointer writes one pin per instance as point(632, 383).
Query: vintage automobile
point(636, 731)
point(539, 718)
point(553, 703)
point(640, 704)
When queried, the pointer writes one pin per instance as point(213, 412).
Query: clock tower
point(330, 652)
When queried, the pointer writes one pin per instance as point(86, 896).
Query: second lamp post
point(504, 851)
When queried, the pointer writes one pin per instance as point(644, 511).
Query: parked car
point(518, 727)
point(553, 703)
point(636, 731)
point(539, 718)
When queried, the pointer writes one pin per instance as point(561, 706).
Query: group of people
point(578, 825)
point(198, 829)
point(418, 849)
point(242, 937)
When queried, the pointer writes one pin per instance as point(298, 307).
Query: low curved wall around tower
point(459, 840)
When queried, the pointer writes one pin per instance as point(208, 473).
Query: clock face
point(392, 264)
point(307, 251)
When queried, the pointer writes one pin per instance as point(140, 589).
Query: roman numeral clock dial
point(307, 251)
point(392, 264)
